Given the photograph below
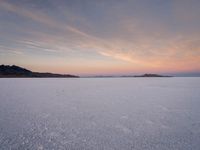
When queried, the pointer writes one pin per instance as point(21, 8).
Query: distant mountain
point(151, 75)
point(126, 76)
point(16, 71)
point(145, 75)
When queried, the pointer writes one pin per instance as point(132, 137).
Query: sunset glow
point(101, 37)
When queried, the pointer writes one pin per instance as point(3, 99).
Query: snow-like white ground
point(100, 114)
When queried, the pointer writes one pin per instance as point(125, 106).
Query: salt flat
point(100, 114)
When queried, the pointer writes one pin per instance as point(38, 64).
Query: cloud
point(9, 50)
point(128, 37)
point(40, 17)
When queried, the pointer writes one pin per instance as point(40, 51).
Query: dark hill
point(145, 75)
point(15, 71)
point(151, 75)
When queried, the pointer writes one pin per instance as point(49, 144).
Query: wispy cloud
point(40, 17)
point(134, 39)
point(6, 50)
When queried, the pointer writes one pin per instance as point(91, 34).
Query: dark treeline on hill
point(15, 71)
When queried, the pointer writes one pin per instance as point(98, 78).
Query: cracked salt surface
point(100, 114)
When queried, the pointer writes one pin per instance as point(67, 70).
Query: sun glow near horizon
point(101, 37)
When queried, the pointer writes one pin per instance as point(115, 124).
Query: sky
point(101, 37)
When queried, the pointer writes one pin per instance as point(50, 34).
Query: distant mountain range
point(151, 75)
point(13, 71)
point(129, 76)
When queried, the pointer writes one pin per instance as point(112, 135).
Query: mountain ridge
point(14, 71)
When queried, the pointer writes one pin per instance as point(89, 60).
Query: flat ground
point(100, 114)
